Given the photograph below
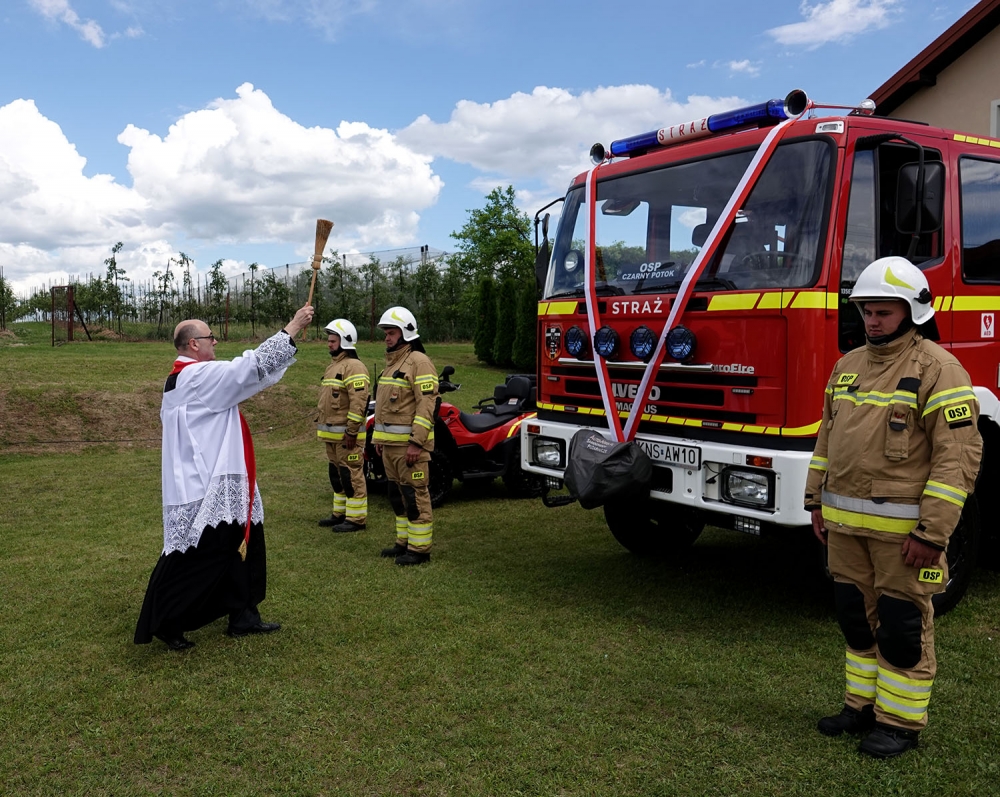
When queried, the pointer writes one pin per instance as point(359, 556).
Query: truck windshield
point(651, 225)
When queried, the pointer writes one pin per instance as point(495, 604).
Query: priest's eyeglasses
point(205, 337)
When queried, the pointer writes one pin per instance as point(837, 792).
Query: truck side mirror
point(542, 256)
point(932, 208)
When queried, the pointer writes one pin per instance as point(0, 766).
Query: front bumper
point(725, 482)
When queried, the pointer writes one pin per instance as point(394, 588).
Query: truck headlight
point(748, 487)
point(548, 452)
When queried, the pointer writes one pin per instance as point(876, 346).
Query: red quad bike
point(473, 447)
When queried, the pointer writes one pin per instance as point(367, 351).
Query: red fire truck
point(696, 299)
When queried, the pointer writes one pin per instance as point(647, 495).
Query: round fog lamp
point(681, 343)
point(606, 342)
point(641, 342)
point(575, 342)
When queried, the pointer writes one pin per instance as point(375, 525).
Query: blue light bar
point(772, 110)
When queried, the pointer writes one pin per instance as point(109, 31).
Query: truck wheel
point(649, 528)
point(963, 550)
point(441, 478)
point(521, 484)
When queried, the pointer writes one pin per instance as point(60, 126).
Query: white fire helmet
point(895, 278)
point(344, 328)
point(403, 319)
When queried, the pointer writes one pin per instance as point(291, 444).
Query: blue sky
point(224, 128)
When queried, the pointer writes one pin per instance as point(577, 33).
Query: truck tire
point(650, 528)
point(963, 550)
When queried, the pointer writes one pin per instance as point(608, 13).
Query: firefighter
point(405, 406)
point(897, 455)
point(343, 402)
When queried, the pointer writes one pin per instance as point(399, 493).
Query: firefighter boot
point(333, 520)
point(887, 741)
point(349, 525)
point(394, 551)
point(849, 720)
point(412, 558)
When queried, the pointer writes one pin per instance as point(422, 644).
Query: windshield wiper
point(601, 290)
point(707, 282)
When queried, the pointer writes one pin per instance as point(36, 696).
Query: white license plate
point(672, 454)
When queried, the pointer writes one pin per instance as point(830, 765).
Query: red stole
point(248, 459)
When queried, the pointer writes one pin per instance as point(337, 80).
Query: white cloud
point(745, 67)
point(48, 202)
point(328, 16)
point(546, 135)
point(238, 172)
point(62, 11)
point(836, 20)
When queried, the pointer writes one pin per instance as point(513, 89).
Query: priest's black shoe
point(887, 742)
point(349, 525)
point(177, 642)
point(333, 520)
point(412, 558)
point(849, 720)
point(258, 628)
point(394, 551)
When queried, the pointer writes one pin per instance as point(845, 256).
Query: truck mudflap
point(721, 478)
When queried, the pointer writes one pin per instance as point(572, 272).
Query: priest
point(213, 562)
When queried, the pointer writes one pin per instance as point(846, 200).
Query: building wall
point(961, 99)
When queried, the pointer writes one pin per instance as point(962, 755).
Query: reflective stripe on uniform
point(426, 424)
point(866, 506)
point(861, 675)
point(946, 397)
point(391, 433)
point(390, 382)
point(329, 431)
point(420, 534)
point(864, 513)
point(902, 697)
point(946, 492)
point(353, 416)
point(333, 383)
point(875, 397)
point(819, 463)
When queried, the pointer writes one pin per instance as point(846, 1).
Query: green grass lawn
point(533, 655)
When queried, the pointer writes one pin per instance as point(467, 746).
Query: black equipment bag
point(600, 470)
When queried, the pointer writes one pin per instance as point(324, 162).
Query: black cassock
point(193, 588)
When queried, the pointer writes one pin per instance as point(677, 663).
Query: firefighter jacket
point(343, 398)
point(406, 400)
point(898, 450)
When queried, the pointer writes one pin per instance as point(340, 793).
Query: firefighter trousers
point(347, 477)
point(410, 497)
point(884, 609)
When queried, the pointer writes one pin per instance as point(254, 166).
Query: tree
point(113, 291)
point(496, 240)
point(503, 341)
point(218, 287)
point(486, 321)
point(525, 346)
point(8, 306)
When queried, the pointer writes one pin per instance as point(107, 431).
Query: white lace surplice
point(204, 476)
